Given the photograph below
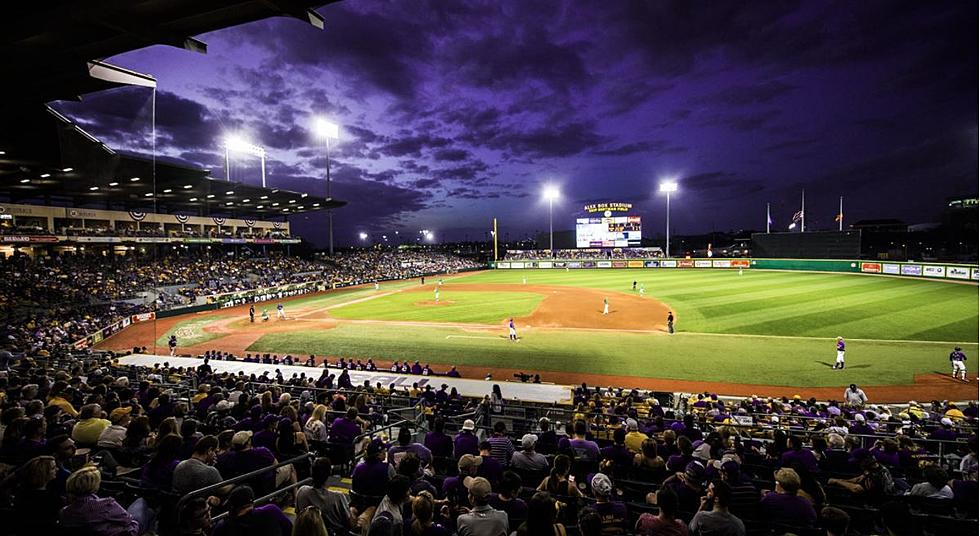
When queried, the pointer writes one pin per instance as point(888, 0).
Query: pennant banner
point(250, 223)
point(218, 221)
point(136, 215)
point(181, 218)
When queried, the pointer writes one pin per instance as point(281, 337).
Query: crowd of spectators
point(58, 299)
point(98, 449)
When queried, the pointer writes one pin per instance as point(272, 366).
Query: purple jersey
point(511, 324)
point(840, 345)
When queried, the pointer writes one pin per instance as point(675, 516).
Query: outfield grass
point(784, 303)
point(453, 306)
point(701, 357)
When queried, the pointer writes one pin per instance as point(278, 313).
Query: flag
point(768, 219)
point(839, 217)
point(798, 216)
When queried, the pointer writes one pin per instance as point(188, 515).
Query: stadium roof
point(54, 50)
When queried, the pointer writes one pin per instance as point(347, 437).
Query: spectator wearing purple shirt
point(784, 505)
point(506, 499)
point(501, 447)
point(406, 446)
point(345, 429)
point(615, 519)
point(452, 487)
point(797, 455)
point(159, 472)
point(89, 514)
point(584, 449)
point(945, 431)
point(267, 436)
point(466, 441)
point(491, 468)
point(620, 456)
point(679, 461)
point(438, 443)
point(242, 458)
point(371, 476)
point(245, 519)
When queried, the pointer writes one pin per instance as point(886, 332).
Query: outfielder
point(512, 331)
point(840, 353)
point(280, 312)
point(643, 289)
point(670, 322)
point(437, 294)
point(377, 286)
point(958, 359)
point(605, 306)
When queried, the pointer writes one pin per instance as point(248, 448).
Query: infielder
point(605, 306)
point(172, 343)
point(840, 353)
point(251, 313)
point(377, 286)
point(958, 359)
point(512, 331)
point(437, 294)
point(280, 312)
point(525, 280)
point(643, 289)
point(670, 321)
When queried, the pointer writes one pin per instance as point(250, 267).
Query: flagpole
point(803, 213)
point(768, 218)
point(840, 215)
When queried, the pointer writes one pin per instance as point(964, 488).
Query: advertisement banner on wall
point(588, 264)
point(651, 264)
point(604, 264)
point(668, 264)
point(685, 263)
point(934, 271)
point(635, 264)
point(517, 265)
point(957, 272)
point(560, 264)
point(723, 263)
point(143, 317)
point(503, 265)
point(702, 264)
point(545, 264)
point(871, 267)
point(574, 265)
point(911, 269)
point(619, 264)
point(975, 274)
point(740, 263)
point(893, 269)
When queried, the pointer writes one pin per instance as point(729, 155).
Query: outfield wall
point(922, 270)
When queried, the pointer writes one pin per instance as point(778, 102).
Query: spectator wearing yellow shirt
point(954, 413)
point(634, 437)
point(202, 393)
point(90, 425)
point(57, 398)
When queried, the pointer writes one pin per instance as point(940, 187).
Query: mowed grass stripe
point(454, 306)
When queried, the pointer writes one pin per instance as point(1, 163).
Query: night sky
point(452, 113)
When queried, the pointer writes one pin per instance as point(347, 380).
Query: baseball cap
point(119, 414)
point(703, 452)
point(467, 461)
point(859, 417)
point(468, 424)
point(376, 446)
point(223, 405)
point(478, 486)
point(528, 441)
point(694, 471)
point(240, 439)
point(946, 421)
point(240, 497)
point(631, 424)
point(601, 485)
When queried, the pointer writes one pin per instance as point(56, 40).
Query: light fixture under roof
point(148, 194)
point(3, 152)
point(230, 192)
point(246, 200)
point(260, 206)
point(292, 200)
point(68, 170)
point(264, 197)
point(167, 191)
point(193, 199)
point(93, 188)
point(229, 203)
point(25, 181)
point(113, 184)
point(285, 210)
point(188, 186)
point(304, 195)
point(134, 179)
point(316, 204)
point(299, 207)
point(275, 204)
point(210, 196)
point(45, 175)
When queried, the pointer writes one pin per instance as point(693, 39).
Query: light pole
point(236, 144)
point(327, 130)
point(551, 193)
point(667, 187)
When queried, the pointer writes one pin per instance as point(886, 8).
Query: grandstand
point(99, 436)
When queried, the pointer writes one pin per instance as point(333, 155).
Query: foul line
point(471, 337)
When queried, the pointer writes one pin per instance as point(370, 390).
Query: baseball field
point(759, 332)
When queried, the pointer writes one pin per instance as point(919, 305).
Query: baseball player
point(605, 306)
point(251, 313)
point(377, 286)
point(643, 289)
point(280, 312)
point(670, 321)
point(265, 314)
point(172, 343)
point(437, 294)
point(512, 331)
point(634, 285)
point(525, 280)
point(958, 359)
point(840, 353)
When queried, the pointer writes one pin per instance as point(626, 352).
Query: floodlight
point(551, 193)
point(325, 129)
point(668, 186)
point(363, 236)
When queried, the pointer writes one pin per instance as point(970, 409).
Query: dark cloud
point(790, 144)
point(748, 94)
point(451, 155)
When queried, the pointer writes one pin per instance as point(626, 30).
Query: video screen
point(614, 232)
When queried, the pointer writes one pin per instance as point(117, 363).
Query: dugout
point(816, 245)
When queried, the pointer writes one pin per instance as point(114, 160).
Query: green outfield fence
point(922, 270)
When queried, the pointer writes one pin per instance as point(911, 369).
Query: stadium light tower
point(236, 144)
point(551, 193)
point(327, 131)
point(667, 187)
point(362, 235)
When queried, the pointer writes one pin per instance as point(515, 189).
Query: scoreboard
point(607, 232)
